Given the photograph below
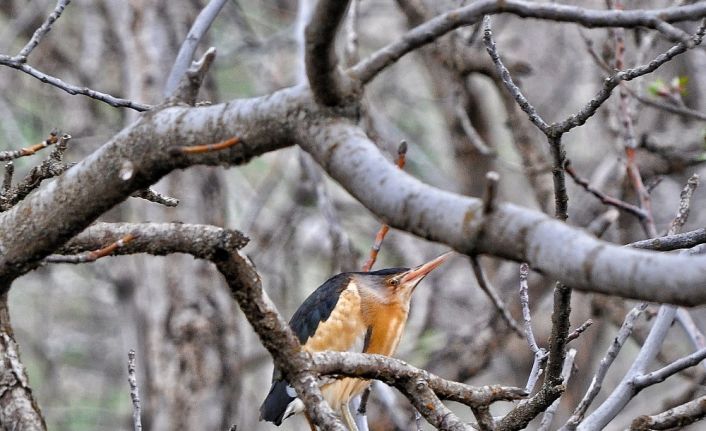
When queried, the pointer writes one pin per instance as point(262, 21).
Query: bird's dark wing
point(318, 307)
point(315, 309)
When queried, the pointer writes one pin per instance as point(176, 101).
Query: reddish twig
point(380, 236)
point(94, 255)
point(608, 200)
point(28, 151)
point(208, 148)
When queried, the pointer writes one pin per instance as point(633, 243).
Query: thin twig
point(526, 315)
point(156, 197)
point(351, 48)
point(186, 52)
point(134, 391)
point(70, 88)
point(675, 418)
point(24, 152)
point(606, 362)
point(94, 255)
point(492, 294)
point(471, 133)
point(668, 107)
point(42, 30)
point(606, 199)
point(642, 381)
point(687, 323)
point(436, 27)
point(566, 370)
point(507, 79)
point(384, 228)
point(578, 331)
point(540, 355)
point(684, 204)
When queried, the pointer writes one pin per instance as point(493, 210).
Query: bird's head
point(395, 284)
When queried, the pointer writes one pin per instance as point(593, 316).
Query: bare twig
point(23, 152)
point(42, 30)
point(687, 323)
point(672, 242)
point(608, 200)
point(606, 362)
point(186, 52)
point(473, 136)
point(677, 417)
point(492, 294)
point(94, 255)
point(468, 15)
point(540, 355)
point(70, 88)
point(507, 79)
point(566, 370)
point(684, 204)
point(134, 391)
point(351, 48)
point(51, 167)
point(578, 331)
point(642, 381)
point(526, 315)
point(384, 228)
point(156, 197)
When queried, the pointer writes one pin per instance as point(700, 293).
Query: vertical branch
point(328, 84)
point(384, 228)
point(351, 48)
point(134, 391)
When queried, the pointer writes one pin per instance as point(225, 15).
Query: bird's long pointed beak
point(421, 271)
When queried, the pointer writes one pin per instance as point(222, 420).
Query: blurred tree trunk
point(17, 404)
point(185, 320)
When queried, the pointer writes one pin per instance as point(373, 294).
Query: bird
point(352, 311)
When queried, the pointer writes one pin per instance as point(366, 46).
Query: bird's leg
point(347, 418)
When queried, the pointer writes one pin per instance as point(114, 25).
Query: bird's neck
point(387, 322)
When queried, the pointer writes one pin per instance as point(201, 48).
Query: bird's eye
point(394, 282)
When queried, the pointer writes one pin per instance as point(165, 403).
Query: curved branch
point(70, 88)
point(436, 27)
point(144, 152)
point(328, 84)
point(393, 371)
point(549, 246)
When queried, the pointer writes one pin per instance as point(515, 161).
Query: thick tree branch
point(264, 124)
